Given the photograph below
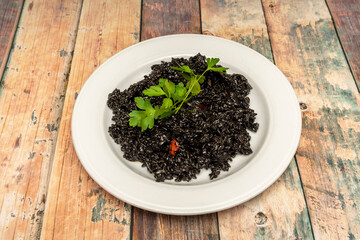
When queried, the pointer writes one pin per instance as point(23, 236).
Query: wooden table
point(48, 49)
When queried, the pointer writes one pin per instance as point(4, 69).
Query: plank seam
point(131, 223)
point(342, 47)
point(140, 39)
point(67, 73)
point(11, 49)
point(267, 30)
point(218, 225)
point(306, 203)
point(5, 70)
point(297, 166)
point(201, 30)
point(141, 19)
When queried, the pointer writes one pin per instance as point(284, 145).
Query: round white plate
point(274, 144)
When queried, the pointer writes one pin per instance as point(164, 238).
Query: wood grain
point(77, 208)
point(241, 21)
point(161, 18)
point(307, 50)
point(280, 212)
point(31, 100)
point(149, 226)
point(9, 15)
point(346, 15)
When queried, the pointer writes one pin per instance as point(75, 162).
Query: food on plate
point(184, 116)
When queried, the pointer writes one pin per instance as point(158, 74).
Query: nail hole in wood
point(260, 218)
point(303, 107)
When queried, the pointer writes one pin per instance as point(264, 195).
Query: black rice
point(211, 128)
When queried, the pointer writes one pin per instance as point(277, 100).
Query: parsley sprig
point(175, 95)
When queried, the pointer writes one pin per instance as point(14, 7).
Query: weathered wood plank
point(9, 16)
point(162, 18)
point(346, 15)
point(280, 212)
point(77, 208)
point(307, 50)
point(241, 21)
point(149, 226)
point(30, 107)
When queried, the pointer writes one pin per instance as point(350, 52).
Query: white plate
point(274, 144)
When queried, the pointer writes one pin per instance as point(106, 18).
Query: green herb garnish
point(175, 95)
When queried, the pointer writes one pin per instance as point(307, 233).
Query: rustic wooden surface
point(77, 208)
point(161, 17)
point(306, 48)
point(149, 226)
point(45, 193)
point(269, 215)
point(346, 15)
point(30, 108)
point(9, 15)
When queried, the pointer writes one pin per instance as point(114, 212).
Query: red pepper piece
point(174, 146)
point(202, 106)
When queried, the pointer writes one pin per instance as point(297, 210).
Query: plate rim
point(208, 209)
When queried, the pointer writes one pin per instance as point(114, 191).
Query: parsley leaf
point(202, 79)
point(145, 118)
point(143, 104)
point(219, 69)
point(136, 118)
point(166, 114)
point(184, 68)
point(167, 103)
point(170, 87)
point(180, 92)
point(196, 89)
point(186, 76)
point(147, 122)
point(175, 95)
point(154, 91)
point(212, 62)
